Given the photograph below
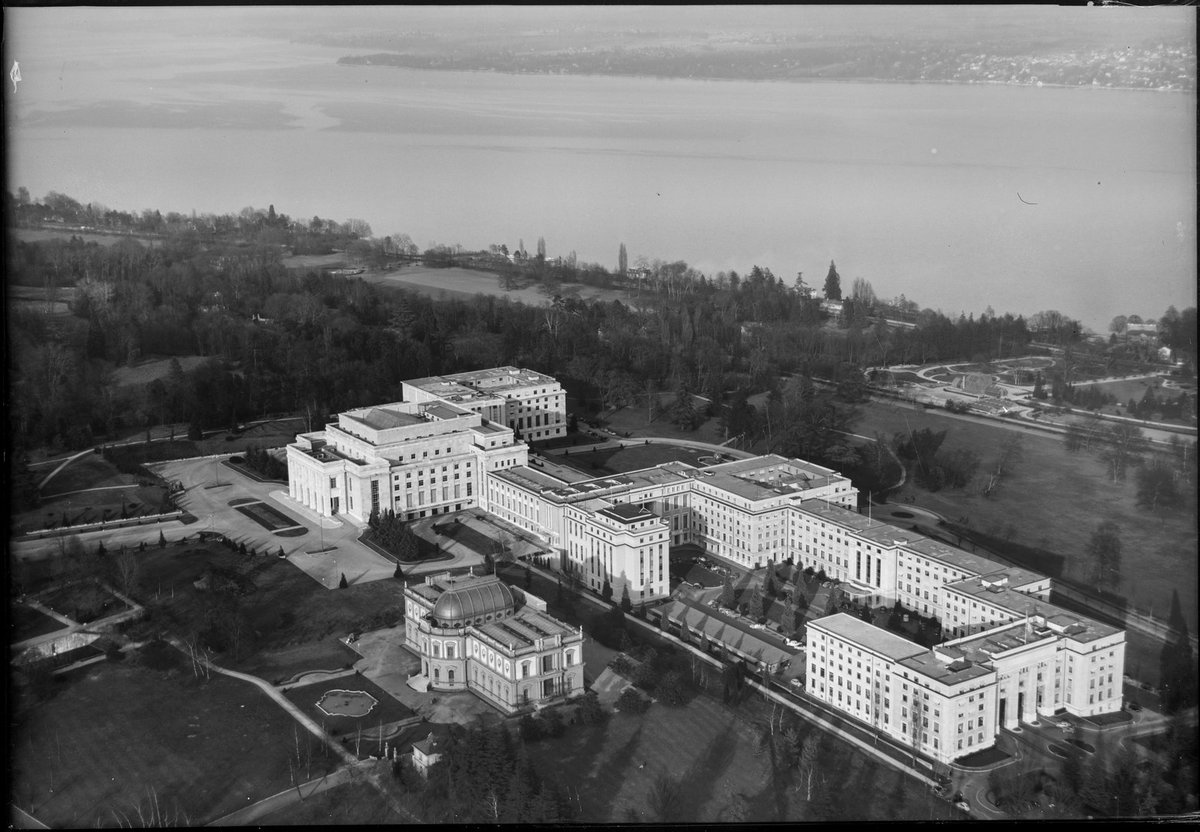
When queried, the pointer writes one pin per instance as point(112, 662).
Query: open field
point(34, 298)
point(36, 235)
point(713, 752)
point(1054, 500)
point(293, 624)
point(69, 500)
point(314, 261)
point(120, 735)
point(632, 420)
point(356, 803)
point(149, 369)
point(461, 282)
point(632, 458)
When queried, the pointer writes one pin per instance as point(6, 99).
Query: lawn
point(82, 601)
point(267, 516)
point(713, 751)
point(121, 735)
point(148, 369)
point(632, 420)
point(27, 622)
point(460, 282)
point(385, 711)
point(1053, 500)
point(633, 456)
point(293, 623)
point(68, 500)
point(356, 803)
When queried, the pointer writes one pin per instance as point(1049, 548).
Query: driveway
point(328, 549)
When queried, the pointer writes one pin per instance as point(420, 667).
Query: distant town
point(1161, 66)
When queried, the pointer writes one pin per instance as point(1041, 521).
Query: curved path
point(283, 798)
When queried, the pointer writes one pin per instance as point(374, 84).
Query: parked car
point(1134, 706)
point(796, 682)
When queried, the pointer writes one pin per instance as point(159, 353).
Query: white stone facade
point(528, 402)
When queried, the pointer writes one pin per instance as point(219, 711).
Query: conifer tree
point(833, 283)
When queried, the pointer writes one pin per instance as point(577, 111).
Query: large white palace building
point(450, 445)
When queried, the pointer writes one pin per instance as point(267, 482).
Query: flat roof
point(627, 513)
point(383, 418)
point(948, 673)
point(1076, 627)
point(866, 635)
point(764, 477)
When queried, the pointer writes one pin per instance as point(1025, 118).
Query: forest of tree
point(300, 341)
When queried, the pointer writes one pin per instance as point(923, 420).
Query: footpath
point(350, 768)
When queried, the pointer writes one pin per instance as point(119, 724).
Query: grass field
point(356, 803)
point(149, 369)
point(385, 711)
point(26, 622)
point(67, 494)
point(293, 623)
point(633, 420)
point(120, 735)
point(459, 282)
point(1055, 499)
point(713, 752)
point(632, 458)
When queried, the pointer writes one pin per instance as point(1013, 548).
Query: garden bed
point(385, 710)
point(83, 602)
point(266, 516)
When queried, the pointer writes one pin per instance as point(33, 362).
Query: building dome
point(476, 597)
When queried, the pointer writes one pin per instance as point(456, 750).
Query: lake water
point(912, 187)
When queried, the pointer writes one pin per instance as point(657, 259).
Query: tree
point(399, 573)
point(787, 621)
point(665, 799)
point(343, 583)
point(1176, 664)
point(833, 283)
point(1104, 550)
point(1156, 486)
point(162, 540)
point(128, 569)
point(626, 603)
point(622, 261)
point(808, 762)
point(1123, 446)
point(728, 598)
point(606, 591)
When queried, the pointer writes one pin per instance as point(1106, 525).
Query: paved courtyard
point(387, 663)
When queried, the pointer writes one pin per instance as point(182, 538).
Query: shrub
point(158, 655)
point(631, 702)
point(590, 710)
point(530, 728)
point(552, 723)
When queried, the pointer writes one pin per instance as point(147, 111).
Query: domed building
point(474, 633)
